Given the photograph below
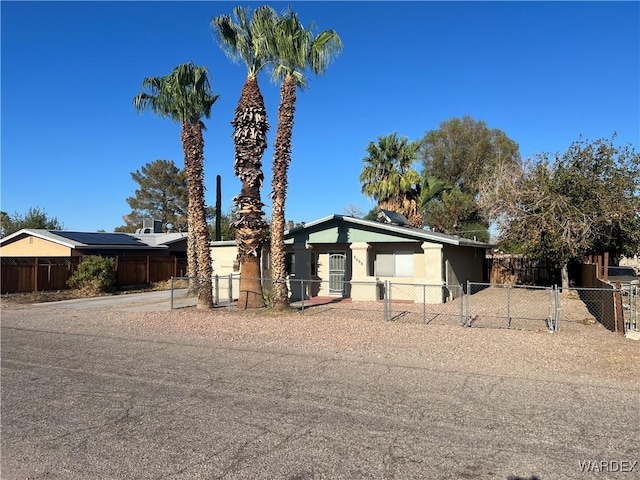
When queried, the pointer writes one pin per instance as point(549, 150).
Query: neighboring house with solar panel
point(35, 259)
point(58, 243)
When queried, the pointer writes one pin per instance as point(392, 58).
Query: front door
point(337, 267)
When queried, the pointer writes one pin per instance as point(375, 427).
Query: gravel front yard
point(585, 351)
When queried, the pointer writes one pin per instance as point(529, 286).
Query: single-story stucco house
point(344, 256)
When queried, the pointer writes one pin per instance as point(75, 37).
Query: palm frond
point(183, 95)
point(294, 49)
point(244, 39)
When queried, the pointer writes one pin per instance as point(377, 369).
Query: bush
point(95, 274)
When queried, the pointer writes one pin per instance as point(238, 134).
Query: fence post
point(385, 301)
point(35, 274)
point(424, 303)
point(509, 306)
point(461, 296)
point(216, 289)
point(230, 290)
point(558, 309)
point(551, 323)
point(302, 295)
point(467, 318)
point(171, 292)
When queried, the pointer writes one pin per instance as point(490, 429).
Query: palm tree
point(294, 50)
point(389, 177)
point(185, 96)
point(247, 40)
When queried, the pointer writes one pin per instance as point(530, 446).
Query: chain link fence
point(479, 305)
point(225, 291)
point(425, 303)
point(631, 308)
point(510, 306)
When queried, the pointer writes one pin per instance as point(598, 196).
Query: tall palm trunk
point(193, 146)
point(281, 160)
point(250, 141)
point(192, 255)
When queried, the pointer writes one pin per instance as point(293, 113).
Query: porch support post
point(360, 260)
point(433, 263)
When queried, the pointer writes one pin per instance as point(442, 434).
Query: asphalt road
point(98, 406)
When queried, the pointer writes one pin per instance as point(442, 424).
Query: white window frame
point(402, 262)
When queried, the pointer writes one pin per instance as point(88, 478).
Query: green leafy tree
point(456, 213)
point(34, 218)
point(246, 39)
point(389, 177)
point(294, 51)
point(561, 208)
point(464, 154)
point(162, 194)
point(185, 96)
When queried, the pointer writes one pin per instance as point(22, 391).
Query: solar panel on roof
point(98, 238)
point(394, 217)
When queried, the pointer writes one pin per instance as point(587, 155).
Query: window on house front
point(394, 264)
point(290, 263)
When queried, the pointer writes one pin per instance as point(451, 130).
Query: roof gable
point(343, 229)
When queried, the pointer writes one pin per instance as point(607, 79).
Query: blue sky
point(543, 72)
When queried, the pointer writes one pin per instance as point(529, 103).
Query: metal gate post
point(171, 292)
point(461, 295)
point(424, 303)
point(466, 301)
point(230, 290)
point(508, 306)
point(387, 300)
point(551, 318)
point(302, 293)
point(558, 309)
point(216, 286)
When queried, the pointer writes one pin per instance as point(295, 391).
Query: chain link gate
point(510, 306)
point(435, 304)
point(631, 308)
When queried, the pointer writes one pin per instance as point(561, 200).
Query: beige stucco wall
point(223, 258)
point(465, 264)
point(34, 247)
point(360, 270)
point(226, 280)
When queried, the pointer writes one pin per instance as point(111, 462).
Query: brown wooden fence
point(520, 270)
point(29, 274)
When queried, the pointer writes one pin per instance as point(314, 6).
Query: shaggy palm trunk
point(281, 160)
point(412, 212)
point(193, 146)
point(250, 141)
point(192, 256)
